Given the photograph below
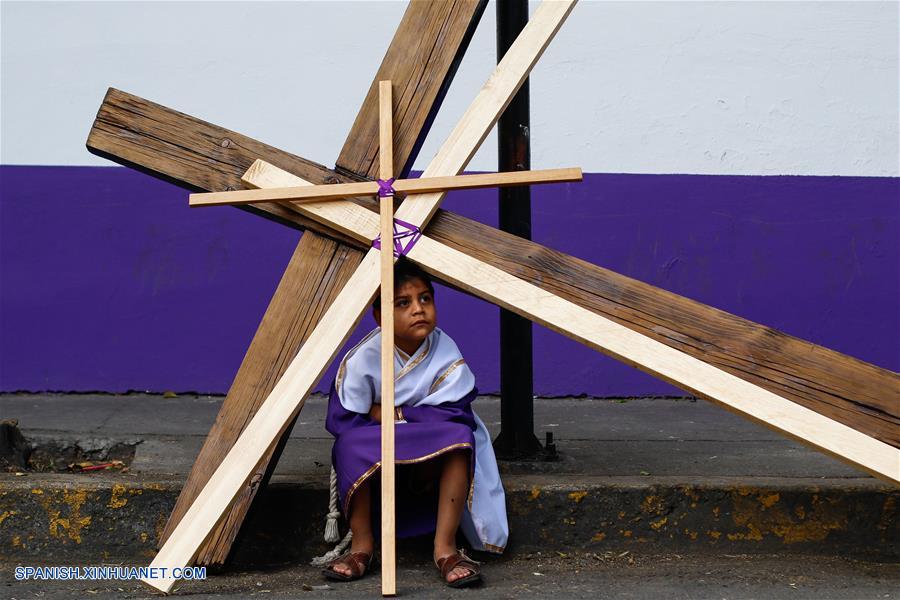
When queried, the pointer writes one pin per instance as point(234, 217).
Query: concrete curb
point(118, 517)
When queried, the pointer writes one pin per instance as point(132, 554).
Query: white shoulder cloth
point(436, 373)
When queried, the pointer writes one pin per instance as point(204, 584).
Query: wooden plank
point(429, 45)
point(649, 355)
point(656, 358)
point(388, 512)
point(422, 185)
point(197, 155)
point(489, 104)
point(315, 274)
point(854, 393)
point(844, 388)
point(858, 394)
point(269, 423)
point(192, 153)
point(287, 397)
point(472, 128)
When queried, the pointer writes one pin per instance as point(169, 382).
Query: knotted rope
point(332, 532)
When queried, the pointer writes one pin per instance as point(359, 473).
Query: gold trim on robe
point(416, 361)
point(446, 374)
point(342, 368)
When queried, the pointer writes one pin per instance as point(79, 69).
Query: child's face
point(415, 315)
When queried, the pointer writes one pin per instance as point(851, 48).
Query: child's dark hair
point(406, 270)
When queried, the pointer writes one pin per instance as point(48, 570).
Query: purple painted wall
point(109, 282)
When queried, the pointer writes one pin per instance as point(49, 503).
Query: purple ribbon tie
point(405, 237)
point(385, 187)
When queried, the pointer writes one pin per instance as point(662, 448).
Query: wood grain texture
point(854, 393)
point(386, 261)
point(429, 43)
point(315, 274)
point(191, 153)
point(287, 397)
point(634, 348)
point(465, 138)
point(669, 364)
point(271, 421)
point(421, 185)
point(490, 102)
point(858, 394)
point(198, 156)
point(850, 391)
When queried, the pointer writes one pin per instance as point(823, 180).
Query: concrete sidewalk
point(671, 475)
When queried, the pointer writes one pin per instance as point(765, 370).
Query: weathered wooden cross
point(832, 402)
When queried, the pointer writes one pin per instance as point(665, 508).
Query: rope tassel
point(332, 531)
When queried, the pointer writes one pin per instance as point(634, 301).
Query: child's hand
point(375, 413)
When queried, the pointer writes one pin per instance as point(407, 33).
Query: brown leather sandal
point(448, 563)
point(359, 563)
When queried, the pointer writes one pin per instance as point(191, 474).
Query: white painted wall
point(807, 88)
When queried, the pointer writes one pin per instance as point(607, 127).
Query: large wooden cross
point(421, 59)
point(833, 402)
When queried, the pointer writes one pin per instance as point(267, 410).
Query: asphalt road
point(579, 575)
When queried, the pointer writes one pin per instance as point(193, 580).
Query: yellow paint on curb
point(116, 500)
point(653, 504)
point(769, 500)
point(71, 525)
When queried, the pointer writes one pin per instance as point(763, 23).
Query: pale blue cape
point(434, 374)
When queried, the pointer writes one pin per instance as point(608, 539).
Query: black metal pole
point(516, 439)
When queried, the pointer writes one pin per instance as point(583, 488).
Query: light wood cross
point(827, 400)
point(386, 207)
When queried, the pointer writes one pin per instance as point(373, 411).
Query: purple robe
point(429, 432)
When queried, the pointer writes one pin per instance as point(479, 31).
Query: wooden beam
point(656, 358)
point(426, 50)
point(362, 226)
point(640, 351)
point(287, 397)
point(841, 387)
point(497, 93)
point(422, 185)
point(853, 392)
point(199, 156)
point(388, 513)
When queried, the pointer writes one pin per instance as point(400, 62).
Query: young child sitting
point(447, 474)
